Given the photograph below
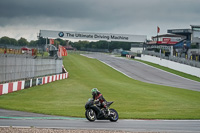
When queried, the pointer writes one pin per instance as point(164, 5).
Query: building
point(178, 42)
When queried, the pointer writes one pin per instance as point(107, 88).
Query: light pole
point(198, 51)
point(108, 47)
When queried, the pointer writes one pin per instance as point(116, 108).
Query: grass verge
point(132, 99)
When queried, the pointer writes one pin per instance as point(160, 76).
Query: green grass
point(132, 99)
point(44, 54)
point(185, 75)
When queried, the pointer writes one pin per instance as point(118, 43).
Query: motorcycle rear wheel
point(113, 115)
point(90, 115)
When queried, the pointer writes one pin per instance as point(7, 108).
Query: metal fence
point(15, 67)
point(174, 58)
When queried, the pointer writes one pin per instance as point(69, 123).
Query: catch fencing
point(14, 67)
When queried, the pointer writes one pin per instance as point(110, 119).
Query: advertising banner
point(196, 36)
point(33, 82)
point(93, 36)
point(195, 33)
point(39, 81)
point(27, 84)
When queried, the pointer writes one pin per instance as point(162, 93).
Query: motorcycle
point(96, 112)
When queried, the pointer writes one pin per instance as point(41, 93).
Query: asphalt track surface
point(145, 73)
point(122, 125)
point(133, 69)
point(24, 119)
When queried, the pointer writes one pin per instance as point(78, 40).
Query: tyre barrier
point(24, 84)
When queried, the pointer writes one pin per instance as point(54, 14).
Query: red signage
point(51, 41)
point(166, 39)
point(62, 51)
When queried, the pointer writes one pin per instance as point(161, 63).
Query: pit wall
point(171, 64)
point(24, 84)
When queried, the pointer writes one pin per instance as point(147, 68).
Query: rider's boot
point(107, 111)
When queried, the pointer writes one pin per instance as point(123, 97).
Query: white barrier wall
point(15, 67)
point(173, 65)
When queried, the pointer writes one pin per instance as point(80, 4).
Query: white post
point(171, 51)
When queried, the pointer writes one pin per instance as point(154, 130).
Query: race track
point(145, 73)
point(145, 126)
point(132, 69)
point(20, 119)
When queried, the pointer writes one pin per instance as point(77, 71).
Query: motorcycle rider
point(98, 98)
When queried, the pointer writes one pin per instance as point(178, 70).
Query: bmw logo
point(60, 34)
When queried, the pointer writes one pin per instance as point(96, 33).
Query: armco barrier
point(24, 84)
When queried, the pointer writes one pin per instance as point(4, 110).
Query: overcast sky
point(24, 18)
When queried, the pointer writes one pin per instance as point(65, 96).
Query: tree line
point(77, 45)
point(102, 45)
point(21, 42)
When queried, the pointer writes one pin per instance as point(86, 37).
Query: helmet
point(94, 91)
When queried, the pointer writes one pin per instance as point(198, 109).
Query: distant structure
point(178, 42)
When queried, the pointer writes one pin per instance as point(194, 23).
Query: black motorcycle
point(95, 111)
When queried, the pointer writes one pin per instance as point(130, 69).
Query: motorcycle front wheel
point(113, 115)
point(90, 115)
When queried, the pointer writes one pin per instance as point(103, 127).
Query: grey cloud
point(127, 16)
point(62, 8)
point(100, 10)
